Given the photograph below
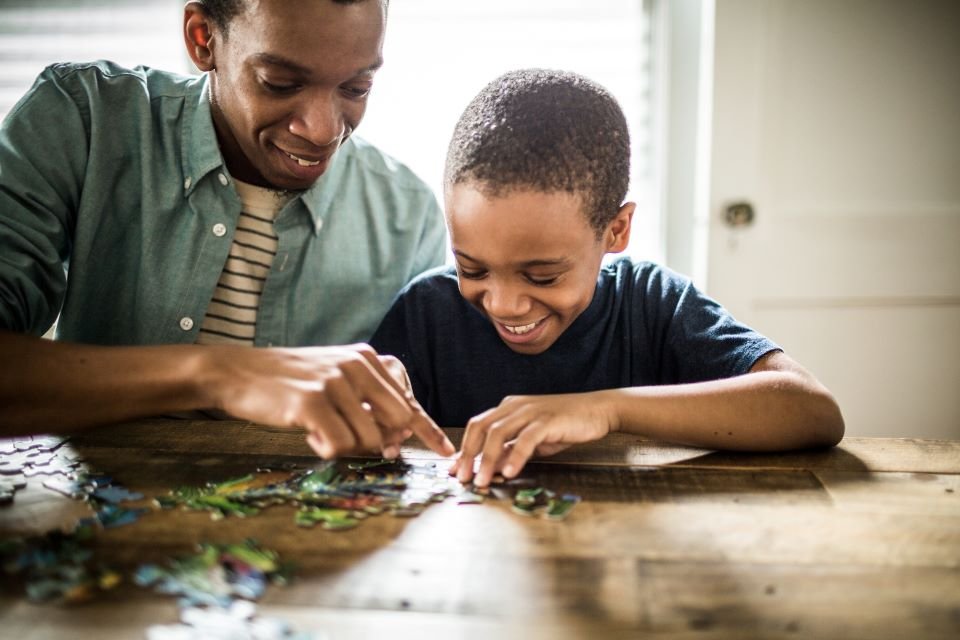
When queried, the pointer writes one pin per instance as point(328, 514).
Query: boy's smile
point(528, 260)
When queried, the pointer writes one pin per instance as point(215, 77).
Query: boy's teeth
point(304, 163)
point(522, 329)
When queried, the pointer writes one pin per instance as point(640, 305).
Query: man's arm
point(343, 396)
point(777, 406)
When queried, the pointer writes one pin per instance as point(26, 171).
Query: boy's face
point(528, 260)
point(289, 83)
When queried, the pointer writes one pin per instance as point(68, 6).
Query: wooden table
point(861, 541)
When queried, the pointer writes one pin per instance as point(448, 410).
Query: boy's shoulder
point(438, 281)
point(626, 274)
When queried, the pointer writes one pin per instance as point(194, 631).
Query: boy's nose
point(319, 121)
point(506, 303)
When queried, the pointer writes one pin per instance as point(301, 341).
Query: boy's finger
point(523, 448)
point(474, 437)
point(498, 435)
point(456, 464)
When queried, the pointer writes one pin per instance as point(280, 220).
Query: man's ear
point(617, 234)
point(198, 36)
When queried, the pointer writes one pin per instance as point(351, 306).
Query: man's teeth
point(304, 163)
point(522, 329)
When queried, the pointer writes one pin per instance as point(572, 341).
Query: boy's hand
point(522, 426)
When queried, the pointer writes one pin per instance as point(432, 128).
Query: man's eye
point(356, 92)
point(279, 88)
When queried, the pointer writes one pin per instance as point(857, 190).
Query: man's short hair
point(221, 12)
point(549, 131)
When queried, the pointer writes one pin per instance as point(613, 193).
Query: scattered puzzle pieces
point(216, 575)
point(57, 567)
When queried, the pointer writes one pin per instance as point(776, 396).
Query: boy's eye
point(471, 275)
point(542, 282)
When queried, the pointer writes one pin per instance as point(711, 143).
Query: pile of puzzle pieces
point(339, 495)
point(216, 586)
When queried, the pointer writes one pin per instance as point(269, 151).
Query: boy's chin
point(528, 348)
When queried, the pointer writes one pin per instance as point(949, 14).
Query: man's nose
point(319, 120)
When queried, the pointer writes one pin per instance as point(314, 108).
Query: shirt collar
point(201, 155)
point(319, 198)
point(200, 149)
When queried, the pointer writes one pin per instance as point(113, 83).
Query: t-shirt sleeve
point(402, 334)
point(698, 338)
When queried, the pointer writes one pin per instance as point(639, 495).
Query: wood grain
point(862, 541)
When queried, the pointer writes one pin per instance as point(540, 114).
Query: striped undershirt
point(232, 315)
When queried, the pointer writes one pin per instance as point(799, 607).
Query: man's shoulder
point(107, 76)
point(378, 164)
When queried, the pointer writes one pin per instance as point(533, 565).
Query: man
point(233, 210)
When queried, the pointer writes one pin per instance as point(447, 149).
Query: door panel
point(840, 123)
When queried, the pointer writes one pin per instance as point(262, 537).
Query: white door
point(839, 122)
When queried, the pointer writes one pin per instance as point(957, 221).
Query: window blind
point(438, 54)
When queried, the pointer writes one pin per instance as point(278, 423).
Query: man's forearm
point(57, 387)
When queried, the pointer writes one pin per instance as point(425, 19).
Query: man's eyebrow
point(280, 61)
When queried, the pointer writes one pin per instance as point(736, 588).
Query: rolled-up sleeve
point(43, 152)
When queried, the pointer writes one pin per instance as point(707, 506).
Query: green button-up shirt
point(117, 211)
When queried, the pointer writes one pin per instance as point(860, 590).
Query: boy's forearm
point(761, 411)
point(58, 387)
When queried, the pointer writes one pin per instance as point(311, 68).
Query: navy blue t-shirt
point(646, 325)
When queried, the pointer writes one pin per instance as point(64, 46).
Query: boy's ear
point(617, 235)
point(197, 35)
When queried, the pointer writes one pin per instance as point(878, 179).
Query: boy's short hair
point(546, 130)
point(221, 12)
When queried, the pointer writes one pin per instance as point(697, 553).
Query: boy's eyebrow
point(556, 262)
point(280, 61)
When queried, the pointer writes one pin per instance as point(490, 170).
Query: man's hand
point(521, 426)
point(348, 398)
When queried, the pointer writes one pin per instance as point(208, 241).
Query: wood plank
point(853, 454)
point(620, 599)
point(906, 494)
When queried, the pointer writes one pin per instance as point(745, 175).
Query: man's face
point(289, 84)
point(527, 260)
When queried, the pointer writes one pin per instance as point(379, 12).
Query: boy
point(533, 345)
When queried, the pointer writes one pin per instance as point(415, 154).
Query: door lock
point(739, 214)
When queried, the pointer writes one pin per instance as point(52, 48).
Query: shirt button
point(319, 225)
point(219, 230)
point(223, 179)
point(186, 323)
point(187, 182)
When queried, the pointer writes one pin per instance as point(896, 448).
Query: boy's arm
point(58, 387)
point(778, 405)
